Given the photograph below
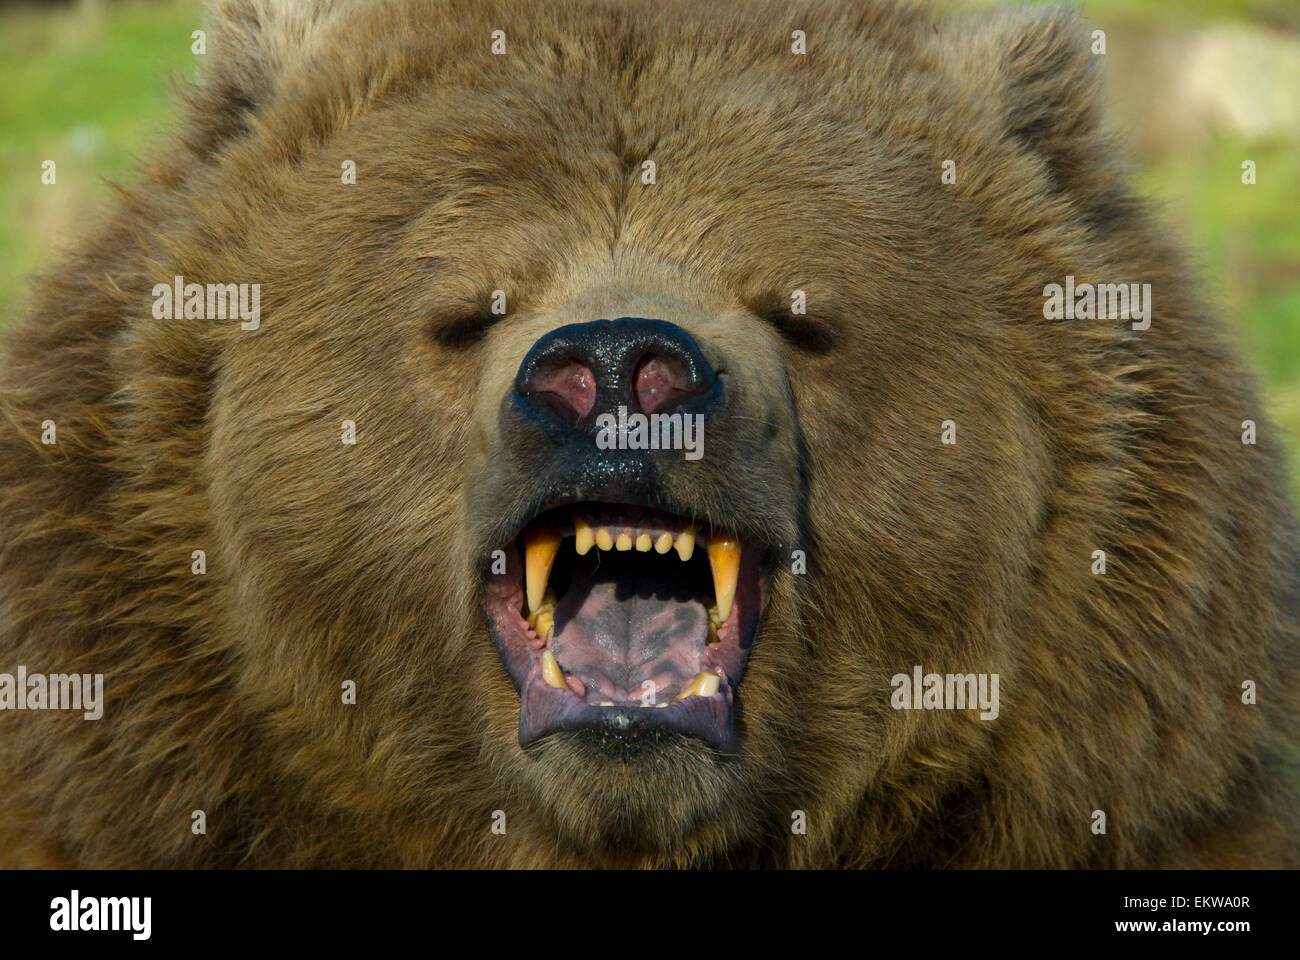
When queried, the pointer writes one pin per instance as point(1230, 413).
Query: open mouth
point(624, 620)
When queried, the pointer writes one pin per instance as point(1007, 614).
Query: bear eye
point(803, 331)
point(465, 324)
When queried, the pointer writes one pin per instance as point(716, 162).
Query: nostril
point(581, 369)
point(659, 382)
point(569, 388)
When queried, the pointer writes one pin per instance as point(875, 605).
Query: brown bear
point(639, 433)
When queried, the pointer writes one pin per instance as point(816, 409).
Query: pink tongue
point(619, 634)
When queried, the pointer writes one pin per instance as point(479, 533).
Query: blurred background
point(1196, 87)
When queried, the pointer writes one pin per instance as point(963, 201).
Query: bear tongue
point(618, 633)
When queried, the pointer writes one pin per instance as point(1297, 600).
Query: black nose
point(582, 370)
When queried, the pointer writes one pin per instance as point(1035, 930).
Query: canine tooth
point(643, 542)
point(664, 543)
point(584, 538)
point(540, 547)
point(624, 542)
point(551, 671)
point(686, 543)
point(724, 559)
point(604, 540)
point(705, 684)
point(606, 703)
point(660, 706)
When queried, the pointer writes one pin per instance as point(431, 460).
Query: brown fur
point(521, 172)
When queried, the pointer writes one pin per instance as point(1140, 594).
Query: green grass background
point(88, 84)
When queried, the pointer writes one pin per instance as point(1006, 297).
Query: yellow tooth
point(540, 547)
point(724, 558)
point(543, 618)
point(545, 625)
point(643, 542)
point(551, 671)
point(624, 542)
point(604, 540)
point(713, 625)
point(686, 543)
point(583, 537)
point(704, 685)
point(549, 600)
point(664, 543)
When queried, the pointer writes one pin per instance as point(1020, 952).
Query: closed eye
point(804, 331)
point(464, 324)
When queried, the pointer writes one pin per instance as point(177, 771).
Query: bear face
point(402, 476)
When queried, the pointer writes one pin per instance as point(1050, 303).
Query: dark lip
point(547, 711)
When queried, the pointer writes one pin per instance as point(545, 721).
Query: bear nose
point(646, 365)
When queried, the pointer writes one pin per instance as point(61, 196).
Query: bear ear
point(1046, 83)
point(252, 45)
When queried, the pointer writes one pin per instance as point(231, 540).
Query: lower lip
point(546, 710)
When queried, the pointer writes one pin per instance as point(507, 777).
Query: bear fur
point(523, 171)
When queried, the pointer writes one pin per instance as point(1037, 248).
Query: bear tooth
point(584, 538)
point(724, 559)
point(624, 542)
point(664, 543)
point(540, 547)
point(604, 540)
point(686, 543)
point(705, 684)
point(547, 606)
point(545, 626)
point(643, 543)
point(551, 671)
